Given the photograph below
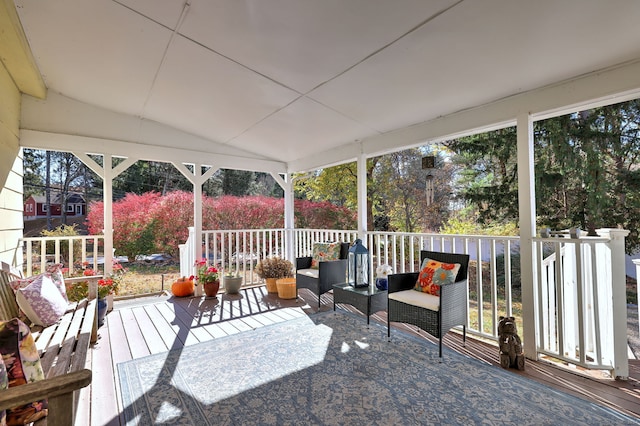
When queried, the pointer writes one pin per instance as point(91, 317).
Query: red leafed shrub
point(151, 223)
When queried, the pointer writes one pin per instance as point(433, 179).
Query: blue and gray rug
point(330, 369)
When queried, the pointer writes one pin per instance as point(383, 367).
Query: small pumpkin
point(182, 287)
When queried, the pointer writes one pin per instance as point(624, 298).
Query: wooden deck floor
point(150, 325)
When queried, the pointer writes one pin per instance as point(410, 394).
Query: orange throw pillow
point(434, 274)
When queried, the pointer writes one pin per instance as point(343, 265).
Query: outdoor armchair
point(434, 314)
point(328, 273)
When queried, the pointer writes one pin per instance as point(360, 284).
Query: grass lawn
point(142, 278)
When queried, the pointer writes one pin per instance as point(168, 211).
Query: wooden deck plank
point(104, 401)
point(120, 352)
point(254, 323)
point(177, 321)
point(215, 330)
point(135, 337)
point(166, 331)
point(83, 412)
point(151, 335)
point(177, 318)
point(229, 327)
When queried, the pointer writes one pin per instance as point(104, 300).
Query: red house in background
point(36, 206)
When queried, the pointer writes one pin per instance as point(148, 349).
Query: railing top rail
point(209, 231)
point(63, 237)
point(572, 240)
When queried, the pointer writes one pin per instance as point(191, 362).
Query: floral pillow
point(324, 252)
point(22, 363)
point(53, 272)
point(434, 274)
point(41, 301)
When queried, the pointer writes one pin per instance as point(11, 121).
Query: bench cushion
point(313, 273)
point(412, 297)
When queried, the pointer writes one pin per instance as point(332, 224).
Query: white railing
point(577, 292)
point(235, 250)
point(241, 249)
point(76, 252)
point(580, 293)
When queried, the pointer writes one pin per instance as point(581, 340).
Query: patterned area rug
point(330, 369)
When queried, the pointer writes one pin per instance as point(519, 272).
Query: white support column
point(197, 179)
point(107, 172)
point(527, 214)
point(107, 188)
point(289, 218)
point(619, 296)
point(197, 209)
point(286, 184)
point(362, 197)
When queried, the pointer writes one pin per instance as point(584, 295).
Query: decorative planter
point(381, 283)
point(232, 284)
point(211, 288)
point(271, 285)
point(102, 310)
point(286, 288)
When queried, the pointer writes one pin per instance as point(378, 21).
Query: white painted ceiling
point(289, 80)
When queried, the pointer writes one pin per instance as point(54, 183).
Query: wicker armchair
point(450, 308)
point(321, 280)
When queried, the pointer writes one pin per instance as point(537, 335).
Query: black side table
point(364, 299)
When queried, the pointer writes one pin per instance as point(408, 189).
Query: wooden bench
point(63, 348)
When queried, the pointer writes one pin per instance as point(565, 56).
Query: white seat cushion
point(313, 273)
point(417, 298)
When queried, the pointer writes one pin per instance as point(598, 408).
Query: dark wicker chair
point(329, 273)
point(453, 300)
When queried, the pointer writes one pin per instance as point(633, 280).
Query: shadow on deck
point(150, 325)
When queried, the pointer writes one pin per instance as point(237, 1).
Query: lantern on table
point(358, 265)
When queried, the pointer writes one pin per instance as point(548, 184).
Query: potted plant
point(106, 286)
point(232, 281)
point(273, 268)
point(208, 276)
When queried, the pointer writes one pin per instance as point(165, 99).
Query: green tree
point(487, 176)
point(33, 163)
point(586, 169)
point(338, 185)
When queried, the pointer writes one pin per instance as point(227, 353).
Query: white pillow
point(41, 301)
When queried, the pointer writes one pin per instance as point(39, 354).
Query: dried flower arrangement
point(274, 267)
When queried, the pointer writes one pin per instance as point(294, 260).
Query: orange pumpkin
point(182, 287)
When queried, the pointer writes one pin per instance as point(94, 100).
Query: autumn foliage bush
point(152, 223)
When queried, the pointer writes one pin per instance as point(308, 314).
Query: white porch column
point(107, 172)
point(197, 179)
point(619, 296)
point(107, 191)
point(289, 219)
point(197, 209)
point(362, 197)
point(286, 184)
point(527, 216)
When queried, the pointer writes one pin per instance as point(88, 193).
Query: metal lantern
point(358, 265)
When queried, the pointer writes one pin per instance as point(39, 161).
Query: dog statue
point(511, 354)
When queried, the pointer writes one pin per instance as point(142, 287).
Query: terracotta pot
point(271, 285)
point(211, 288)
